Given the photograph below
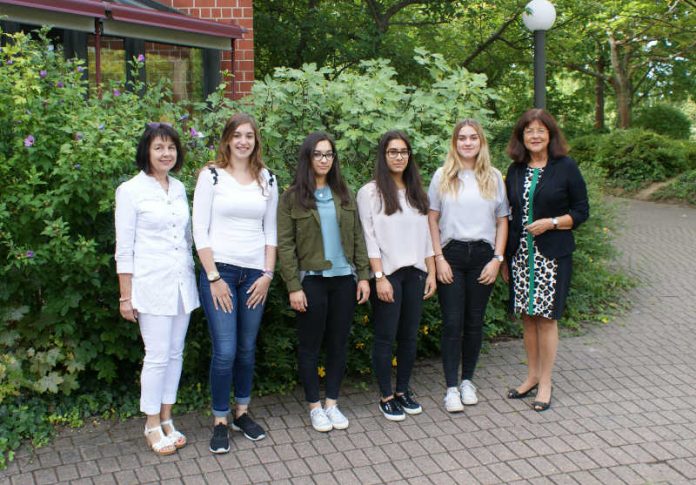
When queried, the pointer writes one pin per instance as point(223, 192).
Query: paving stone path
point(624, 408)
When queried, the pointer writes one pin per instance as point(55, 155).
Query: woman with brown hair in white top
point(393, 211)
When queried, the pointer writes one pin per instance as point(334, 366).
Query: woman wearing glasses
point(155, 275)
point(394, 213)
point(234, 226)
point(548, 199)
point(469, 225)
point(322, 252)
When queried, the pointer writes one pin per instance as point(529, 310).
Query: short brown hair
point(558, 147)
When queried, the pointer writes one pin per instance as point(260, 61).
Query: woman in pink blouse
point(393, 210)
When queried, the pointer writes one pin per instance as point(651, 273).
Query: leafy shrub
point(62, 155)
point(664, 119)
point(682, 189)
point(634, 158)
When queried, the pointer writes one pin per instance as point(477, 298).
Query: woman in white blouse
point(234, 226)
point(156, 277)
point(393, 210)
point(469, 224)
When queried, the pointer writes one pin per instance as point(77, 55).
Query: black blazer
point(560, 191)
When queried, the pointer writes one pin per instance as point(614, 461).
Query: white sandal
point(164, 446)
point(176, 436)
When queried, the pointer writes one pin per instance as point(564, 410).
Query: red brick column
point(240, 12)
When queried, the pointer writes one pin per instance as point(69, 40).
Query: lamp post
point(539, 17)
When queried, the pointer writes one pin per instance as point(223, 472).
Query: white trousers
point(164, 338)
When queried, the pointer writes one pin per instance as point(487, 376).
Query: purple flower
point(193, 132)
point(211, 147)
point(42, 73)
point(183, 117)
point(10, 62)
point(141, 58)
point(80, 69)
point(77, 166)
point(29, 141)
point(117, 93)
point(101, 127)
point(60, 84)
point(30, 254)
point(78, 136)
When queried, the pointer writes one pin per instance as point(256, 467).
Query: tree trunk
point(621, 82)
point(599, 91)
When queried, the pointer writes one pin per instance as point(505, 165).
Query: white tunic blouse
point(236, 221)
point(153, 243)
point(401, 239)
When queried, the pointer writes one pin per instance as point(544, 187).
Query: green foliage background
point(65, 353)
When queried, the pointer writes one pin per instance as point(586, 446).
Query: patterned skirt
point(540, 288)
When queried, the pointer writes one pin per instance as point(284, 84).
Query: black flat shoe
point(540, 406)
point(515, 394)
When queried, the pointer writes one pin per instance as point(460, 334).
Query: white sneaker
point(320, 421)
point(453, 401)
point(468, 392)
point(338, 420)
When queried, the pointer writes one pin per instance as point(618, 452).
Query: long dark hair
point(415, 195)
point(558, 147)
point(305, 184)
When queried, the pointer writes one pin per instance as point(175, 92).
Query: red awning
point(89, 8)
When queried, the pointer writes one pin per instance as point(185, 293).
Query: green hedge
point(664, 119)
point(633, 159)
point(63, 346)
point(682, 189)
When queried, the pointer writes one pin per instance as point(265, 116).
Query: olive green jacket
point(300, 244)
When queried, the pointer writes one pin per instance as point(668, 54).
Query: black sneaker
point(392, 410)
point(220, 442)
point(251, 429)
point(408, 404)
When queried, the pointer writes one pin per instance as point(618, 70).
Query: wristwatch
point(555, 222)
point(499, 257)
point(213, 276)
point(379, 275)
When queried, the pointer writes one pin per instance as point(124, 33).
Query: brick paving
point(624, 408)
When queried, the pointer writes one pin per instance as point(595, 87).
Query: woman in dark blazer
point(548, 199)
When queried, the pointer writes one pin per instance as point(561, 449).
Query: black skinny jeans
point(463, 305)
point(397, 321)
point(330, 307)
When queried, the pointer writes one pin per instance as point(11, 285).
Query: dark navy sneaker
point(220, 442)
point(251, 429)
point(392, 410)
point(408, 404)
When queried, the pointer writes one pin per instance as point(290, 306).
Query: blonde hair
point(484, 172)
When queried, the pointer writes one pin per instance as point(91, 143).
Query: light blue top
point(331, 235)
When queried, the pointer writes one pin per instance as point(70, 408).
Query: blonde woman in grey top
point(468, 220)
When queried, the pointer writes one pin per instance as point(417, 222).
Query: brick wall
point(240, 12)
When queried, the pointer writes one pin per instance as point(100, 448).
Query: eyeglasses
point(316, 155)
point(154, 125)
point(393, 153)
point(535, 131)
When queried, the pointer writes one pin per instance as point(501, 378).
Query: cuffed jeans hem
point(221, 414)
point(242, 401)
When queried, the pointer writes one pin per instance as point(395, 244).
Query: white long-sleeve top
point(153, 243)
point(401, 239)
point(236, 221)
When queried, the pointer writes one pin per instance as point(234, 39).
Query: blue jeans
point(233, 337)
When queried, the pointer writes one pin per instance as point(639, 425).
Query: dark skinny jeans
point(463, 305)
point(330, 307)
point(397, 321)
